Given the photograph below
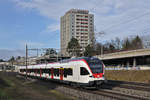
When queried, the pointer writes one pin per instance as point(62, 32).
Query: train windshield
point(95, 64)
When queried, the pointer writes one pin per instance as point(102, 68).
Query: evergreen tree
point(18, 58)
point(89, 51)
point(73, 47)
point(111, 48)
point(99, 48)
point(50, 51)
point(126, 45)
point(137, 43)
point(1, 60)
point(12, 59)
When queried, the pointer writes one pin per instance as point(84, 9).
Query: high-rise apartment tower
point(78, 24)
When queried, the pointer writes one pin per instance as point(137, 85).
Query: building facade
point(78, 24)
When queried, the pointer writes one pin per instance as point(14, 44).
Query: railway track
point(130, 85)
point(121, 90)
point(125, 82)
point(119, 96)
point(129, 88)
point(106, 93)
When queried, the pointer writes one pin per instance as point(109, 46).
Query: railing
point(126, 54)
point(139, 67)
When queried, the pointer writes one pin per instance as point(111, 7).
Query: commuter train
point(83, 71)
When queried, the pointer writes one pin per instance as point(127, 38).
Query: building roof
point(77, 11)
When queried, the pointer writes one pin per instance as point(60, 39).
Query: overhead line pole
point(26, 59)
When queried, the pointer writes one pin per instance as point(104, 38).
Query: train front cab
point(92, 74)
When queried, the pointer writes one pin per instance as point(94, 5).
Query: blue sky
point(37, 22)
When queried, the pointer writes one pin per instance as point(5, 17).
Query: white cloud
point(118, 18)
point(53, 27)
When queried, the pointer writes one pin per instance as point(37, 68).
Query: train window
point(65, 72)
point(21, 70)
point(83, 71)
point(32, 70)
point(95, 65)
point(44, 70)
point(49, 71)
point(38, 71)
point(56, 72)
point(28, 70)
point(69, 71)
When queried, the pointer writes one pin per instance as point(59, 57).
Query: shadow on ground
point(16, 87)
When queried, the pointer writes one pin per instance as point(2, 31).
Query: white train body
point(82, 71)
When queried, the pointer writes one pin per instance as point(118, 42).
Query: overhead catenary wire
point(128, 21)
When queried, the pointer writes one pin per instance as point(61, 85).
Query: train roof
point(79, 58)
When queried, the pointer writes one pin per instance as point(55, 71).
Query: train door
point(84, 75)
point(61, 72)
point(52, 73)
point(75, 73)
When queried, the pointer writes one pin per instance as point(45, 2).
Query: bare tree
point(146, 41)
point(118, 43)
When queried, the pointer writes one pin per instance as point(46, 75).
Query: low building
point(132, 58)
